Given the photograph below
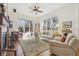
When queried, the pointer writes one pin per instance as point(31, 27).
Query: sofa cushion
point(69, 37)
point(57, 38)
point(74, 43)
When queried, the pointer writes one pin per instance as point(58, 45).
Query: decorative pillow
point(69, 37)
point(63, 39)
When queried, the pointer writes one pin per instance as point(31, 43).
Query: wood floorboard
point(19, 49)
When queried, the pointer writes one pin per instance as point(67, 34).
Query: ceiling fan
point(36, 9)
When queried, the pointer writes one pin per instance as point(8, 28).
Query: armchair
point(64, 49)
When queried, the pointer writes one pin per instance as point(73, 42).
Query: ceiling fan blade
point(39, 11)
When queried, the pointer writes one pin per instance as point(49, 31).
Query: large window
point(25, 25)
point(49, 25)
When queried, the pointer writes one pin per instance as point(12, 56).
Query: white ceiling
point(23, 8)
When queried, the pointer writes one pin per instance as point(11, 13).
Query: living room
point(39, 29)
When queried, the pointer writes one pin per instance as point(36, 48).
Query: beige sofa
point(68, 48)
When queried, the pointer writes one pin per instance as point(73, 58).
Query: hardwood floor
point(46, 53)
point(19, 49)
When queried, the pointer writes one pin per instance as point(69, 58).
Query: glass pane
point(54, 22)
point(44, 25)
point(49, 24)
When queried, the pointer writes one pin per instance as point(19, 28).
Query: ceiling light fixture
point(36, 9)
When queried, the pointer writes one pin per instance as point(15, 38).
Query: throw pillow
point(63, 39)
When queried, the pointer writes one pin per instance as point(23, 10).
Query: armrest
point(57, 44)
point(74, 43)
point(45, 36)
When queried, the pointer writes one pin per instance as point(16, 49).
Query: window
point(25, 25)
point(49, 24)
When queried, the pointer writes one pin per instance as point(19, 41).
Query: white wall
point(78, 19)
point(16, 16)
point(66, 13)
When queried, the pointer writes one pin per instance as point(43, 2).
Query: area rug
point(33, 47)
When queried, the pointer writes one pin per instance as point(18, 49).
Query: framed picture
point(67, 24)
